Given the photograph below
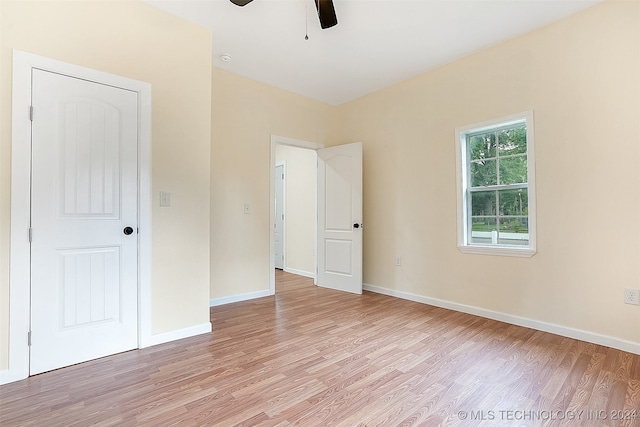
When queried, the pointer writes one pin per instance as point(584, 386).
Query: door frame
point(20, 262)
point(275, 141)
point(284, 208)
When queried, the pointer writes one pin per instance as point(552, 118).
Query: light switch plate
point(165, 199)
point(247, 208)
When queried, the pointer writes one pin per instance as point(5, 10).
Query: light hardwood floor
point(315, 357)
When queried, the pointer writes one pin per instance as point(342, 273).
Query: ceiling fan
point(326, 11)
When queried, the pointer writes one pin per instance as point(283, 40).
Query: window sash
point(497, 157)
point(497, 216)
point(498, 187)
point(493, 187)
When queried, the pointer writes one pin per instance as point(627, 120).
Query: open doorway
point(295, 183)
point(299, 160)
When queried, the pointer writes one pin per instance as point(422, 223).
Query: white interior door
point(340, 217)
point(84, 195)
point(278, 232)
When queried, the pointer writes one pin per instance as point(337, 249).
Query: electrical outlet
point(632, 296)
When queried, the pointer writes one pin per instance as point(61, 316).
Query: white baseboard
point(8, 376)
point(308, 274)
point(176, 335)
point(579, 334)
point(240, 297)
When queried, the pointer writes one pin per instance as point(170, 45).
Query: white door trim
point(19, 278)
point(284, 209)
point(275, 141)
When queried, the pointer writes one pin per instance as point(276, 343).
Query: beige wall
point(581, 76)
point(245, 115)
point(300, 207)
point(138, 41)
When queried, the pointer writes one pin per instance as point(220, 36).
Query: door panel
point(338, 188)
point(90, 160)
point(338, 256)
point(89, 286)
point(84, 192)
point(339, 208)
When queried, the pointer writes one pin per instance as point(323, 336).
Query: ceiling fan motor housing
point(326, 11)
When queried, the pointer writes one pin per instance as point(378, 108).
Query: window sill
point(497, 250)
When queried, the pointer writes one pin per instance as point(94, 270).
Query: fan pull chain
point(306, 22)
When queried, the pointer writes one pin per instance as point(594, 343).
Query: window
point(496, 201)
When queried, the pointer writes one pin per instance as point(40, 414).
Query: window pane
point(482, 146)
point(483, 203)
point(483, 231)
point(483, 172)
point(512, 141)
point(486, 223)
point(514, 225)
point(514, 231)
point(514, 202)
point(513, 170)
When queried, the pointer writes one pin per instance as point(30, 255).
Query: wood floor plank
point(311, 356)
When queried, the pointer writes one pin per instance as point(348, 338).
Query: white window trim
point(461, 171)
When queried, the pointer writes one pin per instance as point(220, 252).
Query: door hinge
point(30, 234)
point(29, 338)
point(31, 112)
point(282, 176)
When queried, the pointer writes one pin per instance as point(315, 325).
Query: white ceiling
point(376, 43)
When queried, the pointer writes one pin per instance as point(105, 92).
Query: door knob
point(356, 225)
point(127, 231)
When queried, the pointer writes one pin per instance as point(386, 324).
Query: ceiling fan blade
point(326, 13)
point(241, 2)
